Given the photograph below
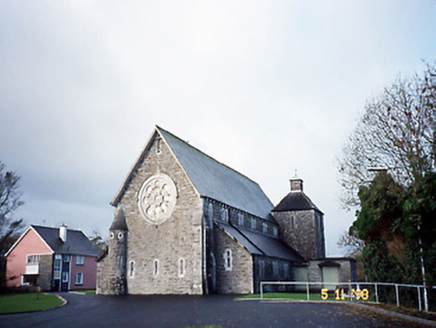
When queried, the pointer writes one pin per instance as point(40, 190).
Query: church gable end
point(163, 215)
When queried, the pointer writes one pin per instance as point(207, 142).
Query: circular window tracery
point(157, 198)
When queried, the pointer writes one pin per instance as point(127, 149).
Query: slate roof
point(210, 178)
point(295, 201)
point(217, 181)
point(260, 244)
point(76, 243)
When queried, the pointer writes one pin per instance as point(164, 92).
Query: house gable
point(30, 243)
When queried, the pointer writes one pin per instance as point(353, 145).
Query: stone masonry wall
point(240, 279)
point(177, 238)
point(45, 271)
point(302, 237)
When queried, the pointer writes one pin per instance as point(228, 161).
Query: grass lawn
point(14, 303)
point(86, 291)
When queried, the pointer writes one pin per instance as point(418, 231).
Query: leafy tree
point(396, 131)
point(10, 200)
point(98, 240)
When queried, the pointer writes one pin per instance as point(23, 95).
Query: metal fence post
point(307, 289)
point(396, 293)
point(419, 299)
point(376, 293)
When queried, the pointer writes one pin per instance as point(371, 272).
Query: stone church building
point(185, 223)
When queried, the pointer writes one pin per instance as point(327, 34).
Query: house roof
point(260, 244)
point(211, 178)
point(76, 243)
point(295, 201)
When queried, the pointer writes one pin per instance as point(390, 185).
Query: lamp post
point(421, 252)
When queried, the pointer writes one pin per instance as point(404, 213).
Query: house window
point(181, 267)
point(65, 276)
point(79, 278)
point(80, 259)
point(286, 269)
point(57, 267)
point(33, 259)
point(228, 259)
point(132, 269)
point(155, 268)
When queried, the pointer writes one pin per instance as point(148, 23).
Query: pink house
point(57, 259)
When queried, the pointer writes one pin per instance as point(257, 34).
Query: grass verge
point(15, 303)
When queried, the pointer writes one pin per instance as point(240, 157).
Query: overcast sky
point(265, 87)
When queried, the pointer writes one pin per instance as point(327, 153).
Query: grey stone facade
point(192, 238)
point(45, 271)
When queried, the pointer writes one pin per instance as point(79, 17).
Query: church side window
point(253, 223)
point(228, 259)
point(292, 222)
point(158, 146)
point(275, 269)
point(275, 231)
point(225, 215)
point(264, 227)
point(240, 219)
point(181, 267)
point(132, 269)
point(286, 269)
point(155, 268)
point(210, 215)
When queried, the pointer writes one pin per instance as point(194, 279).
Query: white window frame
point(33, 259)
point(65, 276)
point(253, 223)
point(120, 235)
point(264, 227)
point(132, 269)
point(80, 280)
point(225, 215)
point(182, 267)
point(228, 259)
point(155, 268)
point(80, 260)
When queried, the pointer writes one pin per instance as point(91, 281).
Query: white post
point(423, 270)
point(376, 293)
point(307, 289)
point(419, 299)
point(396, 293)
point(261, 289)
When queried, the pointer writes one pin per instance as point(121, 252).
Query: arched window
point(155, 268)
point(225, 215)
point(132, 269)
point(253, 223)
point(275, 231)
point(181, 267)
point(210, 215)
point(158, 146)
point(240, 219)
point(228, 259)
point(264, 227)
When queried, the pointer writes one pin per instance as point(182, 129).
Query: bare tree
point(352, 245)
point(396, 131)
point(9, 201)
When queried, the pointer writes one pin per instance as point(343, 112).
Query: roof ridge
point(45, 227)
point(203, 153)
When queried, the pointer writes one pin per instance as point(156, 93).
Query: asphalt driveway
point(186, 311)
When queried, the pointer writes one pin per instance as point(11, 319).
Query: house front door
point(65, 277)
